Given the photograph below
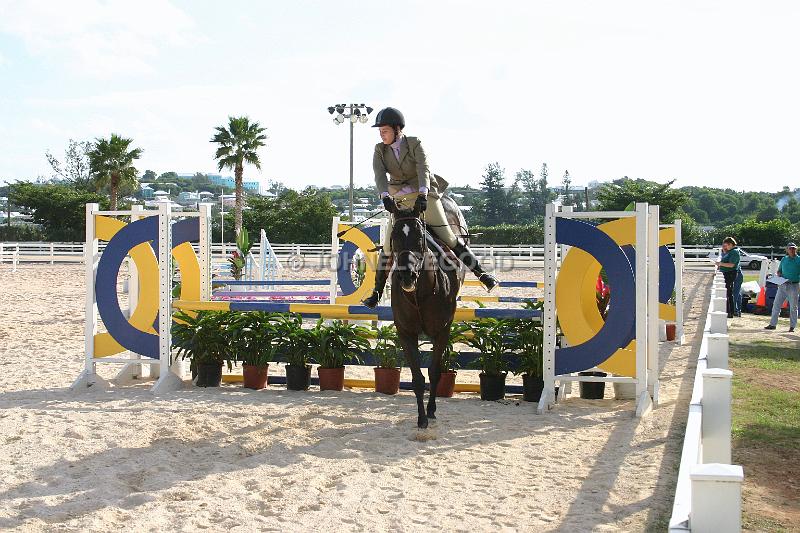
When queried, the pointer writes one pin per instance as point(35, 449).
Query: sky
point(703, 92)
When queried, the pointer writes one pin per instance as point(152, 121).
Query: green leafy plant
point(338, 343)
point(293, 343)
point(489, 337)
point(202, 337)
point(385, 351)
point(527, 344)
point(253, 338)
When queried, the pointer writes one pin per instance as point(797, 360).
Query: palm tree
point(111, 164)
point(239, 144)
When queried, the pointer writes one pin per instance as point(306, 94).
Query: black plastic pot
point(532, 387)
point(493, 387)
point(592, 390)
point(298, 377)
point(209, 374)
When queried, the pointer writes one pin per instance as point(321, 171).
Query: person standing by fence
point(729, 266)
point(789, 269)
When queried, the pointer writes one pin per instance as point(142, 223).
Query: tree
point(75, 168)
point(299, 217)
point(494, 207)
point(619, 194)
point(149, 176)
point(111, 163)
point(535, 194)
point(239, 144)
point(565, 183)
point(59, 208)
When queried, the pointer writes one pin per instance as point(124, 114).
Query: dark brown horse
point(425, 287)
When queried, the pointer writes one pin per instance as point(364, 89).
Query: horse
point(425, 288)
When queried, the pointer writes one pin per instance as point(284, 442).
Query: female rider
point(411, 184)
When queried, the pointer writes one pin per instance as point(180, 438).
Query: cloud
point(97, 38)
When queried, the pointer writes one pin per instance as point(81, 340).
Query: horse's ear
point(417, 210)
point(392, 207)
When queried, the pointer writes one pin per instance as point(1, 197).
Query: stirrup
point(488, 281)
point(372, 300)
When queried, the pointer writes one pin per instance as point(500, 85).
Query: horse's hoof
point(422, 422)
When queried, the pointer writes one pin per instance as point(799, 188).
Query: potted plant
point(527, 343)
point(252, 337)
point(489, 338)
point(294, 344)
point(387, 372)
point(335, 345)
point(202, 338)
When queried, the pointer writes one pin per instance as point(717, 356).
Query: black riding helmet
point(389, 116)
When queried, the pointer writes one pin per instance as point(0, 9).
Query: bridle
point(421, 257)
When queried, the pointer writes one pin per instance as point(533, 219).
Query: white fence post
point(719, 321)
point(716, 498)
point(719, 304)
point(717, 415)
point(717, 350)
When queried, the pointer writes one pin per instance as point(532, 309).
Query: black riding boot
point(381, 273)
point(471, 262)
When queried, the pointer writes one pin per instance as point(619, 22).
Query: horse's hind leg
point(435, 368)
point(410, 344)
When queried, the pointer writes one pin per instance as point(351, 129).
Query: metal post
point(548, 360)
point(351, 168)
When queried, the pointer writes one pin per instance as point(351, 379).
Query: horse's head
point(408, 245)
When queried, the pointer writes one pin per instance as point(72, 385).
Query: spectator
point(789, 269)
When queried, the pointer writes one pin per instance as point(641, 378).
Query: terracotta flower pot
point(670, 332)
point(331, 378)
point(387, 380)
point(446, 385)
point(255, 377)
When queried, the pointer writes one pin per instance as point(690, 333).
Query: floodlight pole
point(351, 171)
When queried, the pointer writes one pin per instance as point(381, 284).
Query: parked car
point(751, 261)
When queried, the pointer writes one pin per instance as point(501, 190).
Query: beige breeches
point(434, 216)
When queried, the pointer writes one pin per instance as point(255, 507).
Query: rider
point(411, 184)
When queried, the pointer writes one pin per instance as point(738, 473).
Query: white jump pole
point(168, 380)
point(133, 370)
point(89, 378)
point(550, 272)
point(334, 259)
point(679, 335)
point(653, 279)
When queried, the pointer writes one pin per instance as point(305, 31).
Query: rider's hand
point(388, 203)
point(421, 203)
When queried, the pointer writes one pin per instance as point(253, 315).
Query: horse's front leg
point(435, 368)
point(410, 343)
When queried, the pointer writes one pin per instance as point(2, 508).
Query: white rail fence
point(501, 257)
point(708, 494)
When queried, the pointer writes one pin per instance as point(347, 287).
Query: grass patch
point(766, 430)
point(764, 414)
point(749, 277)
point(764, 355)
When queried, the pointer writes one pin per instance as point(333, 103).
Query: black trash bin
point(592, 390)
